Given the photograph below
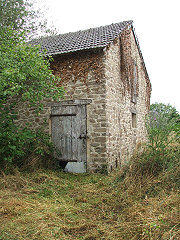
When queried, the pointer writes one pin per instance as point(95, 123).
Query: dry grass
point(56, 205)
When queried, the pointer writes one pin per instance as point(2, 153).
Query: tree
point(164, 117)
point(24, 76)
point(24, 72)
point(169, 113)
point(22, 17)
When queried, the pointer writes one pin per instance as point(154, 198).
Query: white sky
point(156, 23)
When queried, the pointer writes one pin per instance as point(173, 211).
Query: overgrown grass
point(55, 205)
point(138, 202)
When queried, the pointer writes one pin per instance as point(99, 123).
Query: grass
point(55, 205)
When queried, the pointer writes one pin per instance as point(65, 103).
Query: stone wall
point(122, 136)
point(28, 117)
point(106, 77)
point(89, 85)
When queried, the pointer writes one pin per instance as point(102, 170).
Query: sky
point(156, 24)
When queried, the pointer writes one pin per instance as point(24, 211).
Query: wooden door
point(69, 132)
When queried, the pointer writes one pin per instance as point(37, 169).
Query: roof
point(82, 40)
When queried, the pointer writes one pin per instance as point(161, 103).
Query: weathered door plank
point(68, 123)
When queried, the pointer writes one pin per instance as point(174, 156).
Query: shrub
point(162, 150)
point(25, 75)
point(19, 144)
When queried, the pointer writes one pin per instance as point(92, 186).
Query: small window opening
point(134, 84)
point(116, 163)
point(134, 120)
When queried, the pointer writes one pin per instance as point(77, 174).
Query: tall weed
point(162, 150)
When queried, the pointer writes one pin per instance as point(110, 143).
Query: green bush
point(18, 144)
point(25, 75)
point(162, 150)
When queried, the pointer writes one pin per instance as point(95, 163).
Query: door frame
point(75, 102)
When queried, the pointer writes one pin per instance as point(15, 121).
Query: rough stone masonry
point(114, 79)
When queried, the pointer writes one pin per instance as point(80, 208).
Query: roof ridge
point(103, 26)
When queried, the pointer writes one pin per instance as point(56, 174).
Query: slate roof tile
point(87, 39)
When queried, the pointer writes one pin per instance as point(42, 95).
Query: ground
point(53, 205)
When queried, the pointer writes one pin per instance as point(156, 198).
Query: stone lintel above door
point(69, 103)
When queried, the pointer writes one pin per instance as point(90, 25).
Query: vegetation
point(164, 116)
point(57, 205)
point(169, 112)
point(25, 76)
point(161, 152)
point(21, 16)
point(139, 201)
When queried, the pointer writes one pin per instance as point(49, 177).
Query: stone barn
point(107, 96)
